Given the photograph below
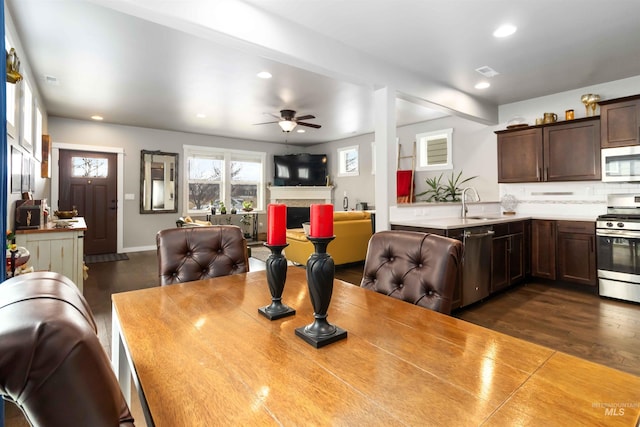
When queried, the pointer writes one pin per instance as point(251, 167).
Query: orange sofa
point(352, 230)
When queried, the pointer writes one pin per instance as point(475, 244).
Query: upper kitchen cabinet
point(520, 155)
point(564, 151)
point(620, 122)
point(572, 151)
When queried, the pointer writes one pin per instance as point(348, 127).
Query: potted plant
point(245, 220)
point(449, 192)
point(247, 205)
point(223, 208)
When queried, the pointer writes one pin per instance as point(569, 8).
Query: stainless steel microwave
point(621, 164)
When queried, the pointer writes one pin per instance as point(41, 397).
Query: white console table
point(56, 249)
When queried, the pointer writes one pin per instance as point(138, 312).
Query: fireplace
point(296, 216)
point(298, 200)
point(300, 196)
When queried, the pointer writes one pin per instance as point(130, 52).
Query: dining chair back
point(52, 365)
point(419, 268)
point(186, 254)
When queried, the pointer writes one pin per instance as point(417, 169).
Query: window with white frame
point(434, 150)
point(11, 99)
point(27, 116)
point(37, 133)
point(348, 161)
point(214, 176)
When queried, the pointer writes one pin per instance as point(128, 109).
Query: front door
point(88, 181)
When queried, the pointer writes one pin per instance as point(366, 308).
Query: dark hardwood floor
point(564, 318)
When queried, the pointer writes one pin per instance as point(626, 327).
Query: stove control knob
point(620, 224)
point(609, 224)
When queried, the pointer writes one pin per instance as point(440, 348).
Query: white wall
point(474, 153)
point(140, 229)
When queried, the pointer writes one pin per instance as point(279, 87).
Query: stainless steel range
point(618, 236)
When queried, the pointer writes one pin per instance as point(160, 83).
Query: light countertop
point(73, 224)
point(476, 220)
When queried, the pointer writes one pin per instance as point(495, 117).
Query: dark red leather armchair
point(419, 268)
point(195, 253)
point(52, 364)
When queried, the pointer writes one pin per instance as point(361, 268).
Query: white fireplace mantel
point(318, 194)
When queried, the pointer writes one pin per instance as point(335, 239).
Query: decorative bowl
point(66, 214)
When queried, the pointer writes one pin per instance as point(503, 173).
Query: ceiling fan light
point(287, 125)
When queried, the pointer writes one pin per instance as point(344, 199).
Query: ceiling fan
point(288, 121)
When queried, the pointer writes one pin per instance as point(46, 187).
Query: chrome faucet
point(465, 209)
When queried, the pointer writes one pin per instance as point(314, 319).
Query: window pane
point(11, 106)
point(242, 192)
point(89, 167)
point(246, 170)
point(201, 195)
point(207, 169)
point(27, 109)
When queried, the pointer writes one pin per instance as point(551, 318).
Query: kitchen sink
point(483, 217)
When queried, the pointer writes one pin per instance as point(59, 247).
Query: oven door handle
point(619, 233)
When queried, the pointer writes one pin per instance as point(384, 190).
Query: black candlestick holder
point(276, 266)
point(320, 273)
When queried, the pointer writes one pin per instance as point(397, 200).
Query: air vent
point(487, 71)
point(51, 80)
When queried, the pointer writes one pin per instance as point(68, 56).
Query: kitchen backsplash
point(584, 198)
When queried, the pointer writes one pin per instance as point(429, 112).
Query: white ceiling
point(157, 63)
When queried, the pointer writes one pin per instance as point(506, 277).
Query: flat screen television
point(300, 169)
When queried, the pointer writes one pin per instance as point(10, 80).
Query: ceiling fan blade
point(265, 123)
point(311, 125)
point(307, 117)
point(274, 116)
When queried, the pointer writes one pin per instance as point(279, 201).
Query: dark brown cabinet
point(620, 122)
point(564, 151)
point(507, 255)
point(543, 249)
point(577, 252)
point(564, 250)
point(520, 155)
point(572, 151)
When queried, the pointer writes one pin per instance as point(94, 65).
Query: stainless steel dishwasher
point(476, 263)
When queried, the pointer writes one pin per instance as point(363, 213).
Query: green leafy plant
point(447, 192)
point(452, 190)
point(247, 205)
point(435, 192)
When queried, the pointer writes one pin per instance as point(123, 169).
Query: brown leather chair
point(195, 253)
point(419, 268)
point(52, 364)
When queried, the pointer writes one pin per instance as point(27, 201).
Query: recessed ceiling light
point(300, 131)
point(482, 85)
point(264, 75)
point(201, 115)
point(504, 30)
point(98, 118)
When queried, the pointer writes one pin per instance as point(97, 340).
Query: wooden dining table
point(200, 354)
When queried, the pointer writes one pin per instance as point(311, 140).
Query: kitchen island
point(503, 250)
point(57, 246)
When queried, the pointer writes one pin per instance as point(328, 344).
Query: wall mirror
point(158, 182)
point(434, 150)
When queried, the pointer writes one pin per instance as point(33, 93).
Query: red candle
point(276, 224)
point(321, 221)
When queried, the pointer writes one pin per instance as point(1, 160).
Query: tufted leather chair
point(52, 364)
point(195, 253)
point(419, 268)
